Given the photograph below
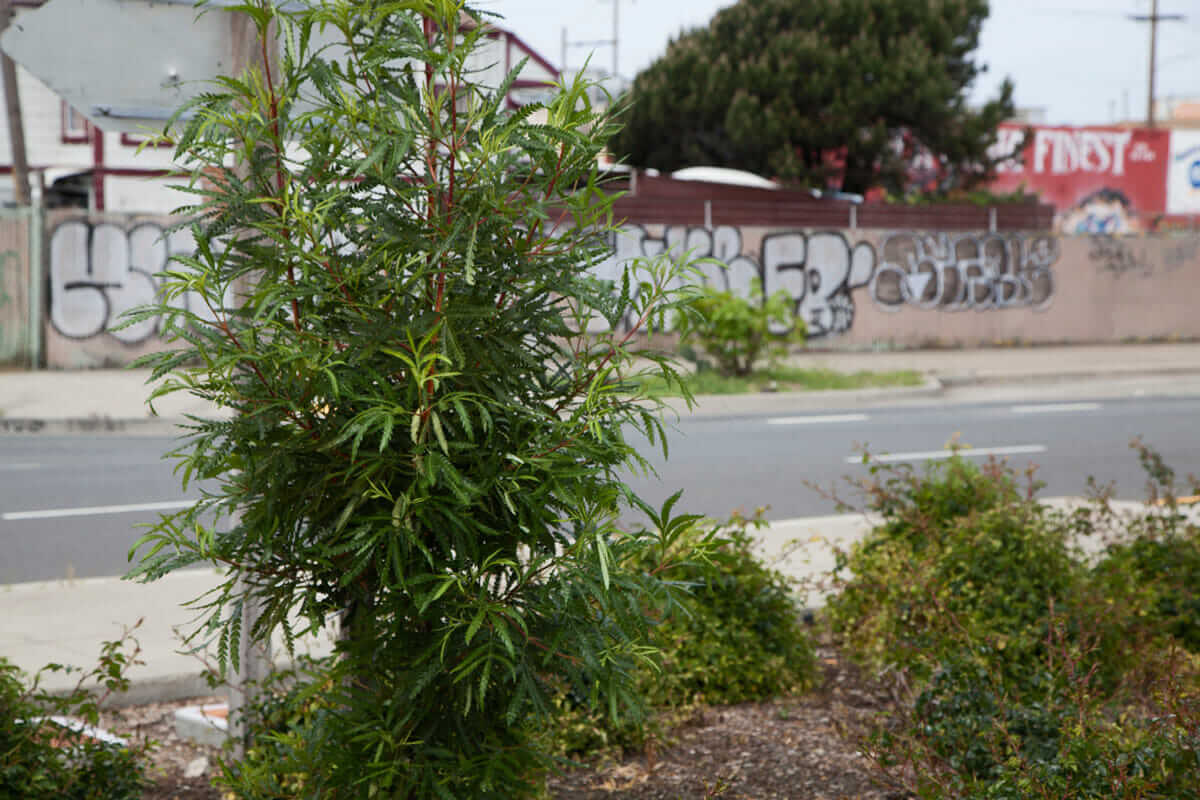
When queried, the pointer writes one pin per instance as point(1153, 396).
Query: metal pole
point(255, 662)
point(616, 33)
point(1153, 45)
point(1153, 18)
point(37, 269)
point(16, 125)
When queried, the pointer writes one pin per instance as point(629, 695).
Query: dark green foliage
point(1164, 572)
point(737, 331)
point(737, 636)
point(734, 637)
point(972, 734)
point(1028, 671)
point(786, 88)
point(41, 759)
point(390, 292)
point(958, 548)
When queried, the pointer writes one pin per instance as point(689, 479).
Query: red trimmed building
point(77, 164)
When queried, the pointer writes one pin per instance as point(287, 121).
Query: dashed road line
point(969, 452)
point(1056, 408)
point(828, 419)
point(90, 511)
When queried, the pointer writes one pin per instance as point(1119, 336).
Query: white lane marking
point(1055, 408)
point(818, 420)
point(18, 467)
point(970, 452)
point(88, 511)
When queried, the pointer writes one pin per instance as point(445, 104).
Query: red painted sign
point(1101, 179)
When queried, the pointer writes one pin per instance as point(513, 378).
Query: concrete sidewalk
point(66, 621)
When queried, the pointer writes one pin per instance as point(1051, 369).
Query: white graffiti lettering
point(1069, 151)
point(817, 270)
point(958, 273)
point(98, 271)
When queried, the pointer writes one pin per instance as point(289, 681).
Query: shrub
point(959, 554)
point(737, 331)
point(426, 440)
point(1025, 672)
point(735, 636)
point(41, 758)
point(1163, 573)
point(972, 735)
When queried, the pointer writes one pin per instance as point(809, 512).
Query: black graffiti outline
point(138, 278)
point(834, 313)
point(830, 279)
point(931, 271)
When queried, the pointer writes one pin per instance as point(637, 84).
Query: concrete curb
point(713, 405)
point(971, 378)
point(731, 405)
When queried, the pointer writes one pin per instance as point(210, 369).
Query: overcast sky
point(1083, 61)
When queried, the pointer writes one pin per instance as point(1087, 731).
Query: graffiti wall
point(865, 288)
point(99, 267)
point(852, 288)
point(15, 280)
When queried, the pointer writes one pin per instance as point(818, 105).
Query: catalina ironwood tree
point(424, 442)
point(820, 92)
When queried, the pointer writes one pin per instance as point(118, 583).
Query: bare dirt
point(793, 748)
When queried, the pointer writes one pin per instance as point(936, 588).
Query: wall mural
point(863, 286)
point(820, 270)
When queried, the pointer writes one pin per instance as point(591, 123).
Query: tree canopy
point(807, 91)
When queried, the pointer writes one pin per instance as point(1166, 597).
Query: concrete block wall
point(852, 287)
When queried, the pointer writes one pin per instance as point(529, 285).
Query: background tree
point(805, 90)
point(425, 444)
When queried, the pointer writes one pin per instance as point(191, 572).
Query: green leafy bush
point(737, 331)
point(40, 758)
point(1026, 671)
point(735, 636)
point(1157, 563)
point(959, 550)
point(972, 733)
point(391, 293)
point(1163, 572)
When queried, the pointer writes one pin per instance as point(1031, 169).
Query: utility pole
point(614, 42)
point(16, 124)
point(1153, 18)
point(578, 43)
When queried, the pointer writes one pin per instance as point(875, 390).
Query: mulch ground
point(798, 748)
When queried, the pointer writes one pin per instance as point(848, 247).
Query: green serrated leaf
point(437, 431)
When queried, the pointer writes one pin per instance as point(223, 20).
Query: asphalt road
point(70, 505)
point(789, 462)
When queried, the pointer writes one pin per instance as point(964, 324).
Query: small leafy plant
point(737, 635)
point(45, 752)
point(736, 332)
